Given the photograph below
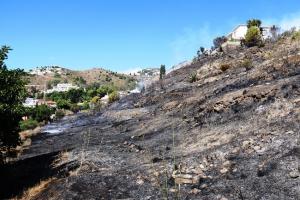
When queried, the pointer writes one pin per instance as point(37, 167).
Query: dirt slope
point(232, 134)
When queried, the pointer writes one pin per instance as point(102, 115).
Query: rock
point(294, 174)
point(195, 191)
point(173, 190)
point(202, 166)
point(156, 174)
point(290, 132)
point(223, 198)
point(140, 181)
point(186, 178)
point(227, 163)
point(203, 186)
point(224, 170)
point(257, 148)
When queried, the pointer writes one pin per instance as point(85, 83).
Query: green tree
point(75, 95)
point(42, 113)
point(12, 94)
point(162, 71)
point(253, 37)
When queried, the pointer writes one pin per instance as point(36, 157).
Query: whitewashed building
point(62, 87)
point(30, 102)
point(240, 31)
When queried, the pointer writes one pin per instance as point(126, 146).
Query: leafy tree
point(75, 95)
point(162, 71)
point(42, 113)
point(253, 37)
point(253, 22)
point(12, 94)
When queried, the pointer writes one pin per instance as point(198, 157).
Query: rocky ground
point(231, 134)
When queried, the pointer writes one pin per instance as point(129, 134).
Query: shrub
point(74, 108)
point(246, 64)
point(224, 67)
point(28, 124)
point(42, 113)
point(193, 77)
point(95, 99)
point(253, 37)
point(114, 96)
point(85, 106)
point(296, 35)
point(63, 104)
point(59, 114)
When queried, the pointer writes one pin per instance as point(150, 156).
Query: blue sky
point(125, 35)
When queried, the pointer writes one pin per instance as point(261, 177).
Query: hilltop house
point(62, 87)
point(240, 31)
point(234, 38)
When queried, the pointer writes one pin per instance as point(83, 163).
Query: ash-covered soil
point(232, 134)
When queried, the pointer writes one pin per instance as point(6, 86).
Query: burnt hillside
point(233, 133)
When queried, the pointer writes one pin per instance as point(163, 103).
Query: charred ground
point(231, 134)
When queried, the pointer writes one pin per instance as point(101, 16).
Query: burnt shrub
point(224, 67)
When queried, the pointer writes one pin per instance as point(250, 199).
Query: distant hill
point(48, 76)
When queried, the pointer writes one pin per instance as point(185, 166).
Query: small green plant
point(59, 114)
point(63, 104)
point(114, 96)
point(296, 35)
point(75, 108)
point(247, 64)
point(28, 124)
point(193, 77)
point(224, 67)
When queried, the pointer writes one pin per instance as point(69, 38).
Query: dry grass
point(29, 133)
point(32, 192)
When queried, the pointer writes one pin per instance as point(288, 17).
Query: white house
point(240, 31)
point(30, 102)
point(62, 87)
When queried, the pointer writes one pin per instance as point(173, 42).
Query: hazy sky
point(123, 35)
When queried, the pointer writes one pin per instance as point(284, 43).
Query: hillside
point(53, 75)
point(231, 133)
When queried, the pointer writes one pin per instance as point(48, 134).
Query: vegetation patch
point(28, 124)
point(224, 67)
